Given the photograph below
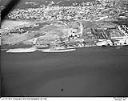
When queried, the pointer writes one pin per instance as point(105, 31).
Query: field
point(12, 24)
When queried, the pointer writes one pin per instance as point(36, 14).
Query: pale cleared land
point(8, 24)
point(22, 50)
point(32, 49)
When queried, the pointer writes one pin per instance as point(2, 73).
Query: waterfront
point(93, 71)
point(76, 48)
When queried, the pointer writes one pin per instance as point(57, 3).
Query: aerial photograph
point(64, 48)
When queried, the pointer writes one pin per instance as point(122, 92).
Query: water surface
point(93, 71)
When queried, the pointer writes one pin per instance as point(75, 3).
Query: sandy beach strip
point(56, 50)
point(32, 49)
point(21, 50)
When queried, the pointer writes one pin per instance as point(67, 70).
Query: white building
point(104, 43)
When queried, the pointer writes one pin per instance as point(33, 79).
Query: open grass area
point(10, 24)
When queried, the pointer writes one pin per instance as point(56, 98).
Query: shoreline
point(33, 49)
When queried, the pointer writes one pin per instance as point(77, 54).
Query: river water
point(93, 71)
